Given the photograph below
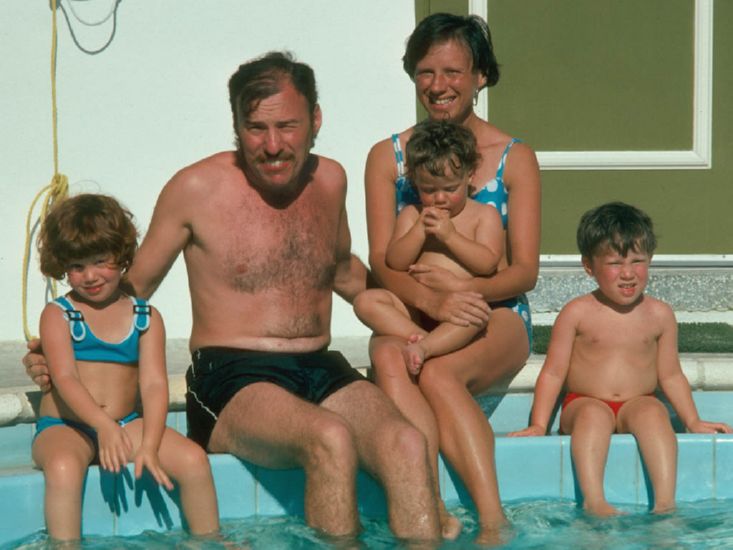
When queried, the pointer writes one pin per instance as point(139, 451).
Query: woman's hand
point(436, 278)
point(460, 308)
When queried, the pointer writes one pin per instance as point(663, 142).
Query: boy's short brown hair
point(618, 226)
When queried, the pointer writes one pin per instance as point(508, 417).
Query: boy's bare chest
point(616, 334)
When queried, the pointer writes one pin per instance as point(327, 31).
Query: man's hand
point(35, 365)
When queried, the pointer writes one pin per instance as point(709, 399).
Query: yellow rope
point(56, 190)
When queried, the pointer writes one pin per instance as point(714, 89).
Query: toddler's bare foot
point(414, 355)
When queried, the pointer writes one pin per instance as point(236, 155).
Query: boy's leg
point(384, 313)
point(590, 423)
point(64, 454)
point(648, 420)
point(188, 465)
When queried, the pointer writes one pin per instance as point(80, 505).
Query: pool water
point(551, 523)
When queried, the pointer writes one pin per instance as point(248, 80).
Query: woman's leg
point(466, 439)
point(392, 378)
point(64, 454)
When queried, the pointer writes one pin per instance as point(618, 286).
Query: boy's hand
point(35, 365)
point(529, 431)
point(705, 427)
point(148, 458)
point(114, 446)
point(437, 222)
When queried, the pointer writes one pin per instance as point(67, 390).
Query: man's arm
point(168, 234)
point(351, 273)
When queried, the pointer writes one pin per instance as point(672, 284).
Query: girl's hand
point(529, 431)
point(114, 446)
point(148, 458)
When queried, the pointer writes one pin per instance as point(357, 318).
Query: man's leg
point(395, 452)
point(269, 426)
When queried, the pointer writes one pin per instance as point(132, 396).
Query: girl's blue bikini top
point(87, 347)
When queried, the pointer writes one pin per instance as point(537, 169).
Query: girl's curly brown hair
point(86, 225)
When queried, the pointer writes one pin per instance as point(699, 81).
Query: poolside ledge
point(18, 397)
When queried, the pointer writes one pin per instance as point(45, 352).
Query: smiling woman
point(450, 58)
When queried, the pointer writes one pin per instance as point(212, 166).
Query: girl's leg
point(393, 379)
point(64, 454)
point(466, 439)
point(590, 423)
point(384, 313)
point(648, 420)
point(188, 465)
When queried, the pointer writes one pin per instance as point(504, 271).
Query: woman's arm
point(522, 181)
point(380, 174)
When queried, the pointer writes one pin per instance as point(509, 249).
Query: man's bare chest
point(263, 248)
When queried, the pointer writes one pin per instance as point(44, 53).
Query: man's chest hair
point(286, 252)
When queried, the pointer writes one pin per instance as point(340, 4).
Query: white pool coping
point(705, 372)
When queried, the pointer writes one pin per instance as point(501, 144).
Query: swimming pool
point(534, 473)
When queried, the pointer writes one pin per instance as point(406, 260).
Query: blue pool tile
point(624, 482)
point(21, 505)
point(723, 466)
point(529, 461)
point(452, 490)
point(372, 502)
point(279, 491)
point(508, 414)
point(138, 505)
point(236, 488)
point(15, 445)
point(568, 485)
point(695, 471)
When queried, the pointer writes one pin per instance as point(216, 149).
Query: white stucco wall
point(155, 100)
